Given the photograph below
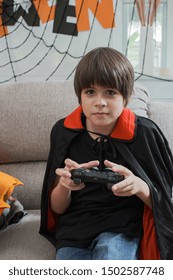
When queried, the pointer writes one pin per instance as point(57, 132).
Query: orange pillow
point(7, 185)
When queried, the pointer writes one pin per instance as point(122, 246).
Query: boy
point(88, 221)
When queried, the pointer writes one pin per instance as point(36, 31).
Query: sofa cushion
point(22, 241)
point(7, 185)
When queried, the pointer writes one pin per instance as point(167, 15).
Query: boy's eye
point(89, 91)
point(110, 92)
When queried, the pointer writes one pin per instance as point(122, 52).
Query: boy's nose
point(100, 101)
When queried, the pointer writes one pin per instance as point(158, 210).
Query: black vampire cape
point(145, 149)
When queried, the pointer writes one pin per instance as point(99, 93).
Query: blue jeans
point(106, 246)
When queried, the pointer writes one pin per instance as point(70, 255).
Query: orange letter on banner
point(3, 29)
point(45, 12)
point(103, 11)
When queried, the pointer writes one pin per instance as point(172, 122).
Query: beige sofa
point(27, 113)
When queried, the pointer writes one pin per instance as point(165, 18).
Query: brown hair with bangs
point(105, 67)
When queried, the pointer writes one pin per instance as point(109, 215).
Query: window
point(145, 38)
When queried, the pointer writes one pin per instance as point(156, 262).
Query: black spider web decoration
point(35, 51)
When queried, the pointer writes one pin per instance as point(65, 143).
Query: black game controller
point(93, 175)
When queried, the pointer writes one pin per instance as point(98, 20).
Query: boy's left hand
point(131, 185)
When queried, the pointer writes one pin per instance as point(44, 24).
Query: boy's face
point(102, 107)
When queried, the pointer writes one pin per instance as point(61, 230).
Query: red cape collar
point(124, 129)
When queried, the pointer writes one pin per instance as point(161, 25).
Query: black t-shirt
point(95, 209)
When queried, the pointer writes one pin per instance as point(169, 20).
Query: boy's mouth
point(100, 113)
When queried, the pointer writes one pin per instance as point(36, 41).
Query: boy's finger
point(118, 168)
point(61, 172)
point(71, 164)
point(90, 164)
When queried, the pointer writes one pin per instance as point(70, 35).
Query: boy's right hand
point(65, 174)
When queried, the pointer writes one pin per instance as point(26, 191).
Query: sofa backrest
point(28, 112)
